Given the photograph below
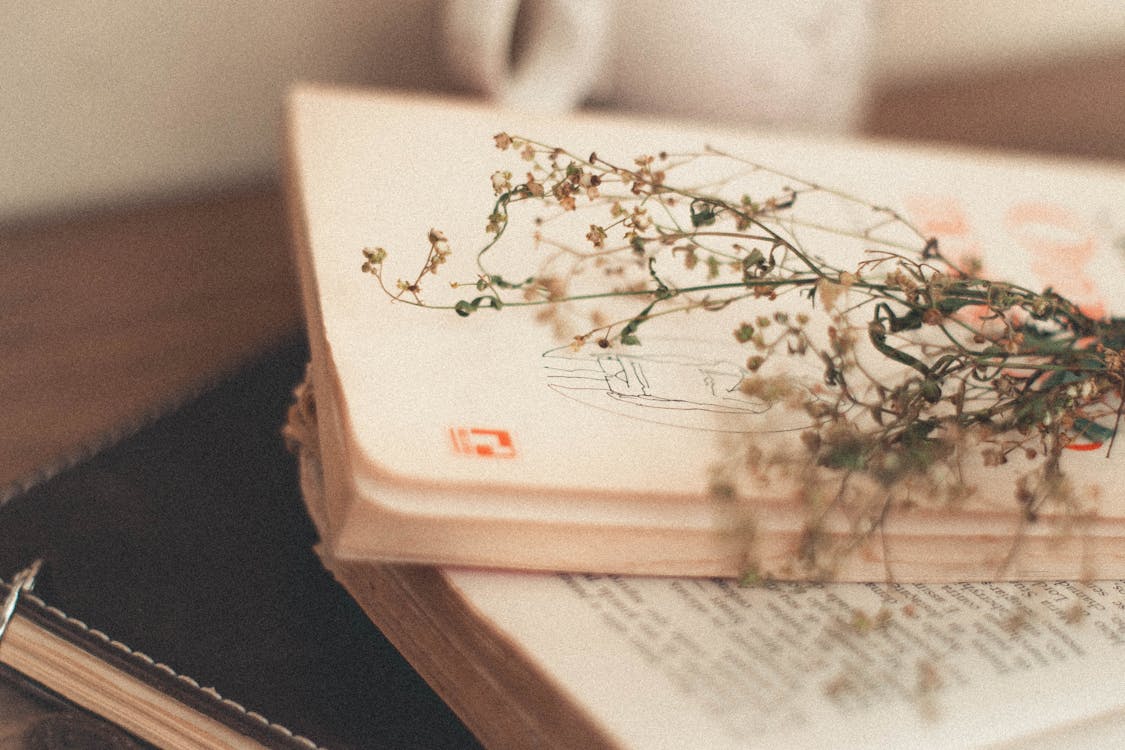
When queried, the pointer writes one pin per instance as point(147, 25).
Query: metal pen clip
point(22, 581)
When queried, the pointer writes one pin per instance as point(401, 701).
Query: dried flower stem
point(925, 362)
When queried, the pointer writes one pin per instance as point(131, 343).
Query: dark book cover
point(189, 543)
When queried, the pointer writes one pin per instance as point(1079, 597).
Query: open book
point(484, 439)
point(606, 661)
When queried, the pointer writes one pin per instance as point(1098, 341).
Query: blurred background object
point(543, 55)
point(111, 101)
point(797, 65)
point(114, 101)
point(1030, 75)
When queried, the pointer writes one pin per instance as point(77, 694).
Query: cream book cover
point(489, 440)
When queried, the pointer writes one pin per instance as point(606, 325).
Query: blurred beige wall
point(103, 101)
point(108, 101)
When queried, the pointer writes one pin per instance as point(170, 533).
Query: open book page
point(704, 663)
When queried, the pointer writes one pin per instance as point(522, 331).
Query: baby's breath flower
point(828, 292)
point(501, 182)
point(744, 333)
point(495, 222)
point(534, 187)
point(596, 236)
point(374, 257)
point(639, 219)
point(588, 180)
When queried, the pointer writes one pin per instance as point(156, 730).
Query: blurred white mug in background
point(802, 65)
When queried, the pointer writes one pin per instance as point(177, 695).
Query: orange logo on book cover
point(474, 441)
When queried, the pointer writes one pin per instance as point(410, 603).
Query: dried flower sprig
point(926, 365)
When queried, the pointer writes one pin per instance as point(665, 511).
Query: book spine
point(123, 659)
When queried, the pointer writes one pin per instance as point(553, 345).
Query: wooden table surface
point(108, 319)
point(1070, 107)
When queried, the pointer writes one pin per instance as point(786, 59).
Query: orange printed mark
point(1086, 342)
point(474, 441)
point(938, 215)
point(944, 217)
point(1061, 247)
point(1050, 230)
point(1084, 446)
point(1094, 310)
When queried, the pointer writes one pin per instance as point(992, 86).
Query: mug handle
point(558, 50)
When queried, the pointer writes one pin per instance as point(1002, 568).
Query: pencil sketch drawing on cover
point(676, 382)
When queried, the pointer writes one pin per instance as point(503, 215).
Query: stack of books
point(551, 556)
